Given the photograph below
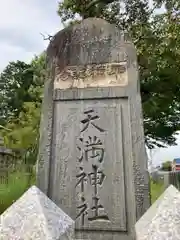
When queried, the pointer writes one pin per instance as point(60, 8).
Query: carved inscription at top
point(102, 75)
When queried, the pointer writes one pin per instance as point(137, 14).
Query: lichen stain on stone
point(100, 75)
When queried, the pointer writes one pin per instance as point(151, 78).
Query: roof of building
point(177, 160)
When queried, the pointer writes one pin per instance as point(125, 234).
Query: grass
point(20, 181)
point(156, 190)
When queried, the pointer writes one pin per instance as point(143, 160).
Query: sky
point(21, 25)
point(160, 155)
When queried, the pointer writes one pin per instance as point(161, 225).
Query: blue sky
point(21, 23)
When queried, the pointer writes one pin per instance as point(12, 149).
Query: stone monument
point(92, 159)
point(162, 219)
point(35, 216)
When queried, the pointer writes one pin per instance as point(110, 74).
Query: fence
point(174, 179)
point(167, 178)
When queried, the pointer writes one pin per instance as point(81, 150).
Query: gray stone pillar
point(92, 159)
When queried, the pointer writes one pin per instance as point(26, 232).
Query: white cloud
point(166, 154)
point(21, 23)
point(12, 53)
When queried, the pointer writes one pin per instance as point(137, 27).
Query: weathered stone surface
point(93, 80)
point(34, 216)
point(94, 75)
point(162, 220)
point(108, 143)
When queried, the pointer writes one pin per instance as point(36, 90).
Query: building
point(176, 164)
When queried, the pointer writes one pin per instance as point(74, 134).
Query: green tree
point(166, 166)
point(15, 81)
point(20, 83)
point(157, 40)
point(24, 132)
point(23, 83)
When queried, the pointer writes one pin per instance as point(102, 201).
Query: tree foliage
point(167, 166)
point(20, 83)
point(21, 94)
point(15, 81)
point(157, 41)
